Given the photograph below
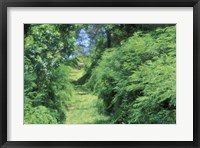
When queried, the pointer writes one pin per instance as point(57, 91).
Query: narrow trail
point(85, 108)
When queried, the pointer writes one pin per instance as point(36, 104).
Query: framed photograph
point(86, 73)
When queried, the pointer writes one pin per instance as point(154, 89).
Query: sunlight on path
point(85, 108)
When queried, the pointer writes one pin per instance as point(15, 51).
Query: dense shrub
point(137, 80)
point(38, 115)
point(47, 87)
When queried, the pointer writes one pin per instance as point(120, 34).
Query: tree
point(45, 51)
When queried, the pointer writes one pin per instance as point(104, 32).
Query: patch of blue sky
point(83, 41)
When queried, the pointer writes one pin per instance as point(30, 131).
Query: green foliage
point(131, 68)
point(157, 81)
point(137, 80)
point(47, 87)
point(38, 115)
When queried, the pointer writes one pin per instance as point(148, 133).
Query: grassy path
point(85, 108)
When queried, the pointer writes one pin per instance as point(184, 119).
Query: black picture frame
point(4, 4)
